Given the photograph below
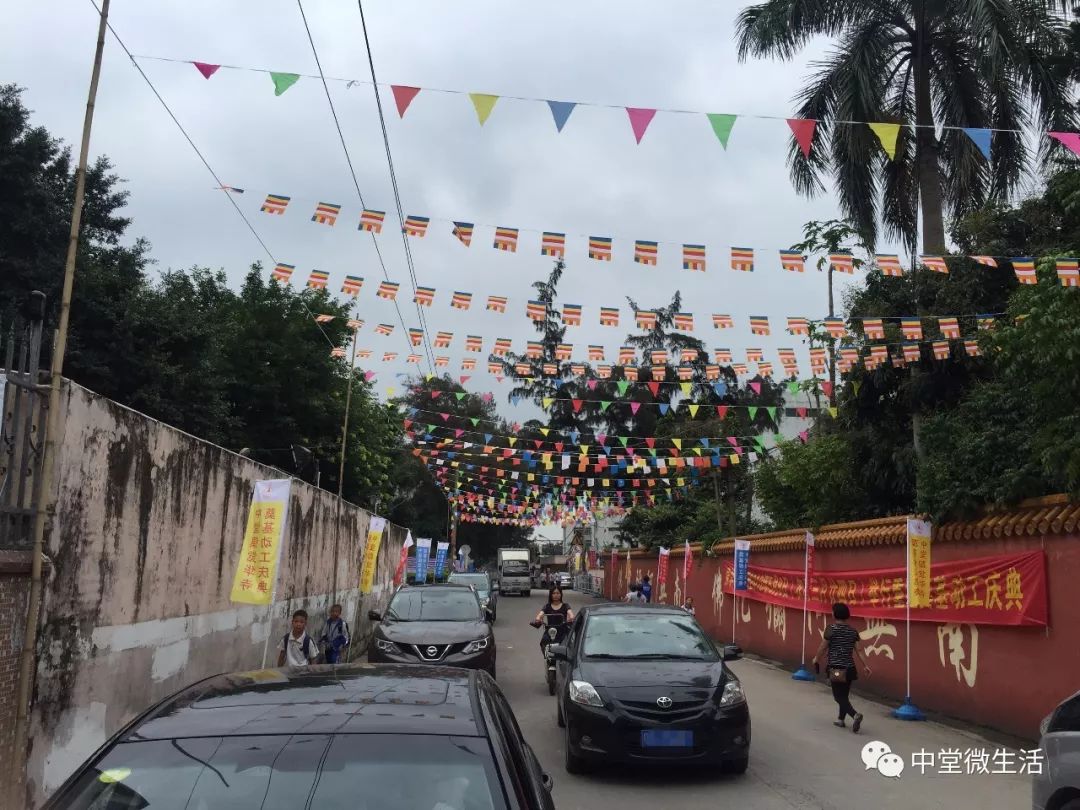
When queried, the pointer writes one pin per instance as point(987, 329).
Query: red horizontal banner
point(1007, 589)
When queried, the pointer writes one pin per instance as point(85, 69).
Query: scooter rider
point(555, 604)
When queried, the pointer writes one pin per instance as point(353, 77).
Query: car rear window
point(434, 604)
point(478, 581)
point(640, 634)
point(357, 771)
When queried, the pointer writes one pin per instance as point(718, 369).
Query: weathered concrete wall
point(14, 593)
point(148, 528)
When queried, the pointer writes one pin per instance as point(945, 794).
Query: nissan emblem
point(663, 702)
point(433, 651)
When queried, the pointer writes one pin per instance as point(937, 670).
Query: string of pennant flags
point(645, 252)
point(639, 118)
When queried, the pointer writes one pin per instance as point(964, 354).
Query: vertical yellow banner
point(255, 581)
point(918, 535)
point(371, 553)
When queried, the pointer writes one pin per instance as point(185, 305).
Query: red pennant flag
point(403, 97)
point(827, 388)
point(577, 403)
point(435, 394)
point(721, 411)
point(558, 447)
point(801, 412)
point(655, 388)
point(207, 70)
point(538, 443)
point(464, 378)
point(640, 118)
point(651, 441)
point(803, 130)
point(408, 423)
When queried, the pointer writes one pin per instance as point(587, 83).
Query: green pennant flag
point(604, 405)
point(475, 420)
point(652, 452)
point(430, 428)
point(793, 387)
point(622, 385)
point(460, 395)
point(624, 440)
point(752, 410)
point(722, 124)
point(484, 104)
point(760, 443)
point(772, 413)
point(283, 81)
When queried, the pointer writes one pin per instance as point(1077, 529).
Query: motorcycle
point(555, 627)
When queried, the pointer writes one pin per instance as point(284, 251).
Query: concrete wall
point(1006, 678)
point(148, 528)
point(14, 592)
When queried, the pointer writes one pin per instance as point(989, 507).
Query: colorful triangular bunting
point(560, 111)
point(640, 118)
point(283, 81)
point(484, 103)
point(205, 69)
point(403, 96)
point(803, 130)
point(722, 124)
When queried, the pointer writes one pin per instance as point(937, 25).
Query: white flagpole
point(802, 673)
point(908, 710)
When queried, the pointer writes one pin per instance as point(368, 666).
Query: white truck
point(514, 571)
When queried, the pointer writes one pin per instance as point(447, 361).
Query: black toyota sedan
point(639, 684)
point(434, 624)
point(361, 737)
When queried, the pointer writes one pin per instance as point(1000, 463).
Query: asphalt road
point(798, 759)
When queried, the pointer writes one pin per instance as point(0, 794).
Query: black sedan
point(328, 737)
point(434, 624)
point(640, 684)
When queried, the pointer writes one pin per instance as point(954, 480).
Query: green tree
point(950, 63)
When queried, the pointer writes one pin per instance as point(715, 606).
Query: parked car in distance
point(565, 580)
point(434, 624)
point(393, 737)
point(481, 583)
point(1057, 786)
point(645, 683)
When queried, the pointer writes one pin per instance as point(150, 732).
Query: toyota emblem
point(433, 651)
point(663, 702)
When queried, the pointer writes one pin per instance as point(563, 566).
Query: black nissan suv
point(434, 624)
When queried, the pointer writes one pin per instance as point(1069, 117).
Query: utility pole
point(41, 518)
point(345, 426)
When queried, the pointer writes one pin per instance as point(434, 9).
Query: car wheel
point(1072, 804)
point(574, 763)
point(560, 721)
point(737, 766)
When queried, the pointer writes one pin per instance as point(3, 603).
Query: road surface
point(798, 759)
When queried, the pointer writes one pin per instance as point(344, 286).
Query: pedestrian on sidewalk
point(688, 605)
point(633, 595)
point(297, 648)
point(646, 588)
point(843, 645)
point(335, 637)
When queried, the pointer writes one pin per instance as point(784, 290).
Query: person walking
point(335, 637)
point(646, 589)
point(298, 649)
point(633, 595)
point(842, 643)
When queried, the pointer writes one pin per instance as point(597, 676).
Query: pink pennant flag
point(634, 407)
point(458, 433)
point(733, 441)
point(436, 394)
point(464, 378)
point(591, 385)
point(755, 387)
point(206, 69)
point(804, 435)
point(803, 130)
point(403, 96)
point(1070, 140)
point(369, 376)
point(489, 397)
point(640, 118)
point(445, 417)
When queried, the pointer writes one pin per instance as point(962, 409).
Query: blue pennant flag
point(487, 438)
point(981, 138)
point(720, 389)
point(664, 408)
point(704, 442)
point(515, 399)
point(560, 111)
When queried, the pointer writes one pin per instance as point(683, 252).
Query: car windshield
point(434, 605)
point(478, 581)
point(286, 772)
point(647, 635)
point(515, 567)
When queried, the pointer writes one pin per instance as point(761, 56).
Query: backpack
point(303, 647)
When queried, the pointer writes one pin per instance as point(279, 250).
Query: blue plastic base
point(908, 711)
point(803, 674)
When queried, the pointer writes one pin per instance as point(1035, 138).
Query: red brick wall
point(1011, 680)
point(14, 591)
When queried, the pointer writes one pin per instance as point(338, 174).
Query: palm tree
point(952, 63)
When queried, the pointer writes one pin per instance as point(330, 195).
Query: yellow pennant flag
point(685, 387)
point(390, 391)
point(681, 482)
point(607, 483)
point(677, 443)
point(887, 134)
point(531, 477)
point(484, 104)
point(256, 572)
point(547, 404)
point(513, 440)
point(693, 410)
point(371, 553)
point(584, 449)
point(545, 431)
point(697, 451)
point(734, 458)
point(833, 411)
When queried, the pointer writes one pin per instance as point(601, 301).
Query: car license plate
point(656, 738)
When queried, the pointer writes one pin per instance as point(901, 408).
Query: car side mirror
point(488, 615)
point(732, 652)
point(374, 615)
point(559, 652)
point(547, 781)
